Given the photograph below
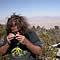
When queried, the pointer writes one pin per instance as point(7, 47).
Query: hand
point(10, 37)
point(21, 38)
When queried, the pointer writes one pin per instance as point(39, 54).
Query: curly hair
point(21, 23)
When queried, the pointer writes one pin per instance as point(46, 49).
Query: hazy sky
point(30, 8)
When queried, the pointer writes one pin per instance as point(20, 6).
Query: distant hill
point(48, 22)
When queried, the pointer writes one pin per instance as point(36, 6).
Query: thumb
point(18, 33)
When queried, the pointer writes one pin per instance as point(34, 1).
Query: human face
point(14, 29)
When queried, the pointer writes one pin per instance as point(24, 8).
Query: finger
point(9, 40)
point(21, 41)
point(11, 34)
point(18, 33)
point(18, 38)
point(10, 37)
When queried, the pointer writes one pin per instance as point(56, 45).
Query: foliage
point(34, 28)
point(2, 30)
point(48, 38)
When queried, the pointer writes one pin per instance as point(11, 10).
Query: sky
point(30, 8)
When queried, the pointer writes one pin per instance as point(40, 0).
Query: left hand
point(21, 38)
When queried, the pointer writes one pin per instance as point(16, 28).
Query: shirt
point(20, 51)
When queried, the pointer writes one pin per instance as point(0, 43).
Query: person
point(20, 42)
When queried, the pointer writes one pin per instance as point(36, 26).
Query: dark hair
point(21, 23)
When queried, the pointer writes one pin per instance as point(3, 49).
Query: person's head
point(17, 23)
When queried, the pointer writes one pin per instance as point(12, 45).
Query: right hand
point(10, 37)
